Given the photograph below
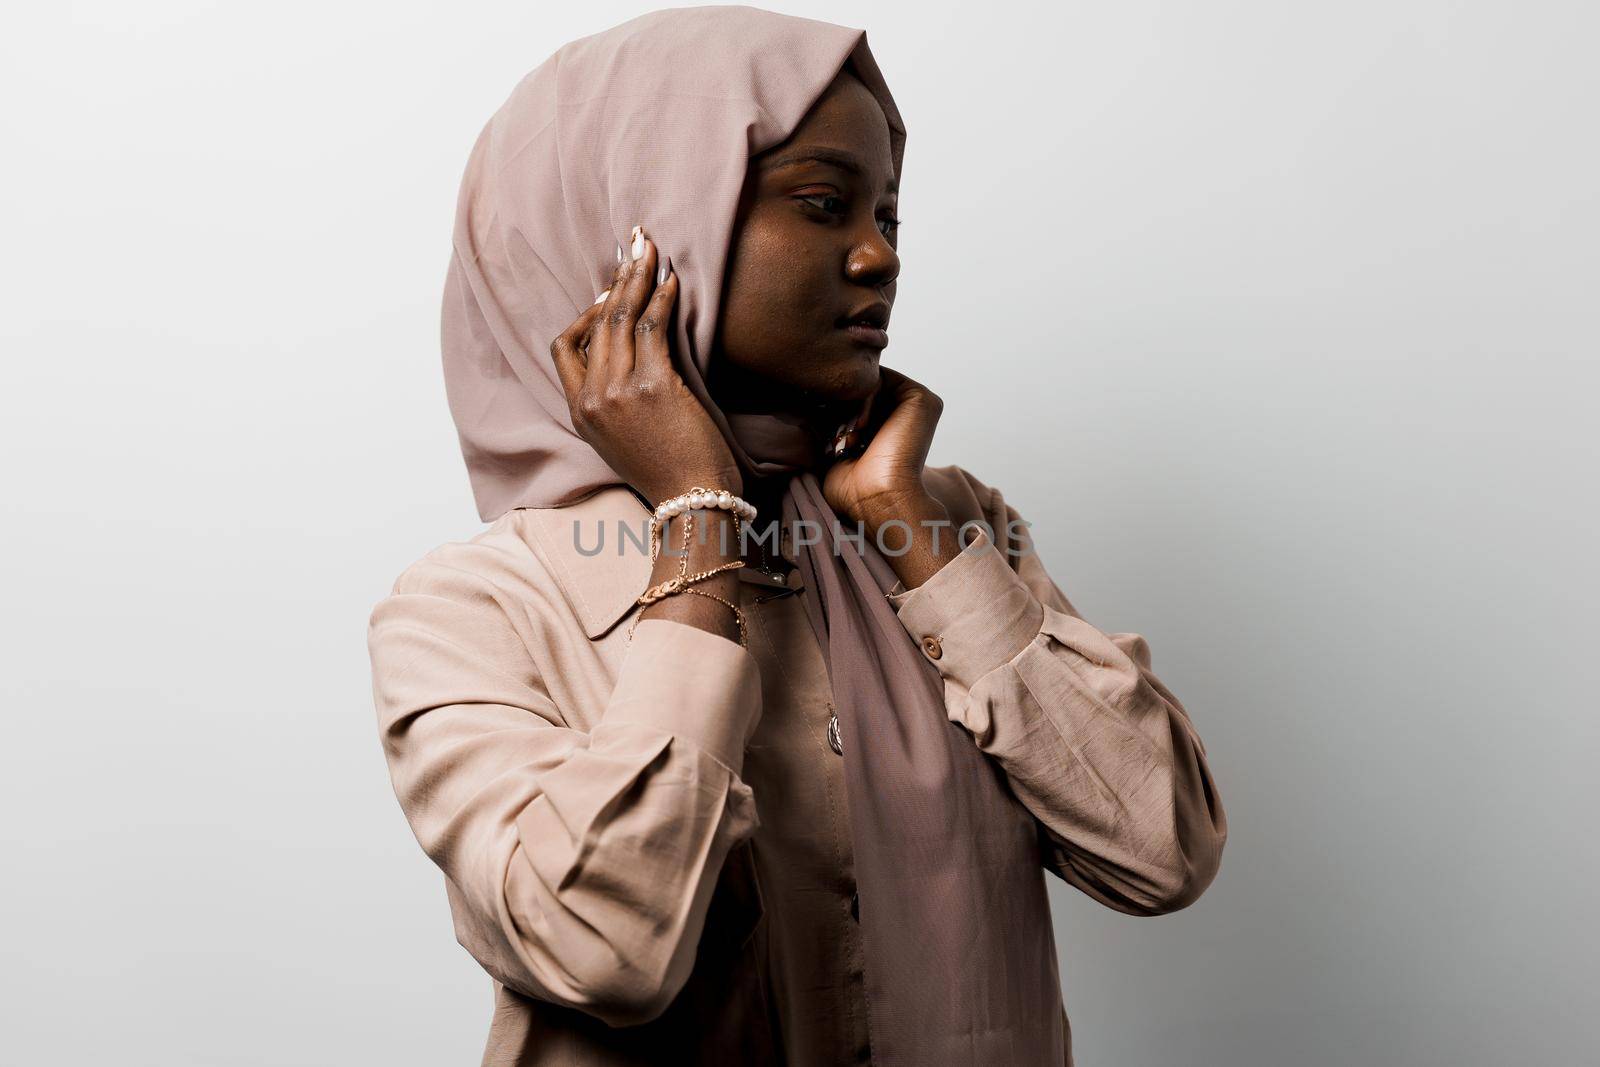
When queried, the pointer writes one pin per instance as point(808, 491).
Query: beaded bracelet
point(698, 497)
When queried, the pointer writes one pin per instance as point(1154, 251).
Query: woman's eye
point(836, 205)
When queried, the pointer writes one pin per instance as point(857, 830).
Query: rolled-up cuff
point(692, 684)
point(975, 614)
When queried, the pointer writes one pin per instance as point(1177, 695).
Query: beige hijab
point(654, 122)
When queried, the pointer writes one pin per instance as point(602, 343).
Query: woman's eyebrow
point(832, 157)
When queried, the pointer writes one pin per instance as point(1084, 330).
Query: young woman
point(771, 774)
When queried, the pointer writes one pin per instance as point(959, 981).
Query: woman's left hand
point(885, 482)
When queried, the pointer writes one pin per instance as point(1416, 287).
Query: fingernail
point(619, 253)
point(601, 297)
point(638, 242)
point(664, 269)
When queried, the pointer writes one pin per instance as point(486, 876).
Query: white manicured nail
point(601, 297)
point(638, 242)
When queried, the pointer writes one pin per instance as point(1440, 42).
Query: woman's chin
point(852, 378)
point(837, 395)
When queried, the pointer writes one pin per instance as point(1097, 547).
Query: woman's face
point(813, 245)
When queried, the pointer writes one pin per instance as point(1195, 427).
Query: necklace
point(763, 574)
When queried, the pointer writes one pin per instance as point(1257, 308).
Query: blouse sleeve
point(579, 865)
point(1091, 742)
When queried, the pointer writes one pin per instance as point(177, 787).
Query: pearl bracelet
point(695, 498)
point(699, 497)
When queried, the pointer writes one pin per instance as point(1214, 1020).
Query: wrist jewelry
point(698, 497)
point(683, 580)
point(679, 583)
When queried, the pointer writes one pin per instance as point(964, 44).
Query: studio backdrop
point(1299, 299)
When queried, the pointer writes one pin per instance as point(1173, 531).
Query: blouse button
point(931, 646)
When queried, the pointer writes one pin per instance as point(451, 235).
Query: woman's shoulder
point(501, 553)
point(535, 562)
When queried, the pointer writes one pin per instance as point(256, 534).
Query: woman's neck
point(737, 390)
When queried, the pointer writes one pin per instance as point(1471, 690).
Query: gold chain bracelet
point(683, 581)
point(679, 583)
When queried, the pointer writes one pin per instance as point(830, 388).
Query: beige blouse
point(646, 844)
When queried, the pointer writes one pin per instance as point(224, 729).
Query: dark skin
point(814, 243)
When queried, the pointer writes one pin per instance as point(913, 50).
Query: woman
point(797, 808)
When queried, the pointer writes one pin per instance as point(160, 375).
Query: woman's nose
point(873, 261)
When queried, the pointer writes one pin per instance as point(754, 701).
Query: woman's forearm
point(915, 535)
point(712, 543)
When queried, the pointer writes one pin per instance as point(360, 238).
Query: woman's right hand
point(626, 397)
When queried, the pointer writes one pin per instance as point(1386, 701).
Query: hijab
point(654, 122)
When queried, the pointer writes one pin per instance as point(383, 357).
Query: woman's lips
point(867, 335)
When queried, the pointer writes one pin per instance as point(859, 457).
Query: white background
point(1301, 297)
